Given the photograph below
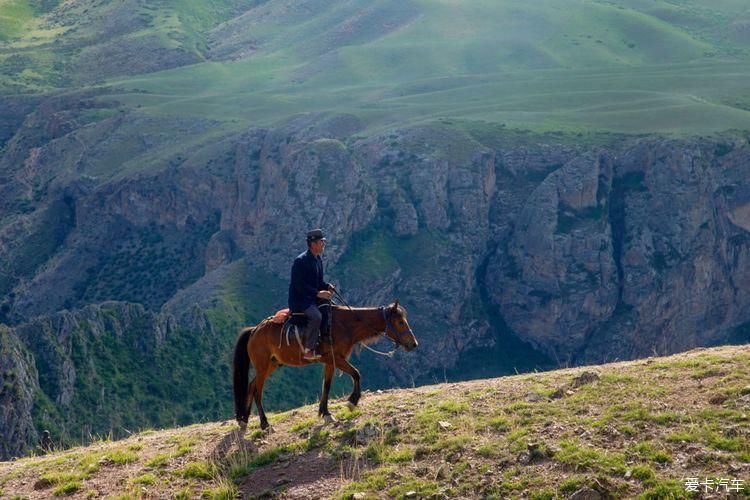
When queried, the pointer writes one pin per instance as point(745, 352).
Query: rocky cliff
point(18, 387)
point(628, 253)
point(587, 249)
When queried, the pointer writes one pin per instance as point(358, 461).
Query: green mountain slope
point(628, 66)
point(544, 65)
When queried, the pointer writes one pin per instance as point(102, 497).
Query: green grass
point(122, 457)
point(159, 460)
point(682, 436)
point(304, 424)
point(144, 479)
point(632, 67)
point(420, 488)
point(380, 452)
point(488, 450)
point(572, 484)
point(643, 472)
point(372, 481)
point(183, 494)
point(14, 16)
point(651, 452)
point(491, 61)
point(719, 442)
point(576, 454)
point(58, 478)
point(499, 424)
point(225, 491)
point(652, 99)
point(198, 470)
point(267, 457)
point(66, 489)
point(598, 66)
point(665, 489)
point(543, 494)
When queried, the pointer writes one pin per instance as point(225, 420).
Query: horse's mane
point(339, 307)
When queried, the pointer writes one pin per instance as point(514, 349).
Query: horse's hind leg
point(250, 397)
point(347, 367)
point(327, 377)
point(261, 375)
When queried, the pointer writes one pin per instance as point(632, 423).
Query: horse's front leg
point(347, 367)
point(327, 377)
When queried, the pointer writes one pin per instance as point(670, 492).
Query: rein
point(341, 298)
point(388, 327)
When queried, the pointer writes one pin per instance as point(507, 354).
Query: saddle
point(293, 323)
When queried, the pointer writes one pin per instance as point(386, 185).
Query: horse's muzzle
point(410, 345)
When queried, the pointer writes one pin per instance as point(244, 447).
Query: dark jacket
point(306, 282)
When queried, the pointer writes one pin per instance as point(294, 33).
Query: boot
point(310, 346)
point(310, 355)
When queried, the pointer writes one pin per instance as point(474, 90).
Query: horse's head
point(397, 327)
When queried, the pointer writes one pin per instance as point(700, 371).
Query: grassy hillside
point(47, 45)
point(14, 14)
point(627, 66)
point(628, 429)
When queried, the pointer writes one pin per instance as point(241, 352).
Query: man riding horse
point(262, 346)
point(306, 286)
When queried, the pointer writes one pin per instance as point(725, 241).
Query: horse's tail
point(240, 367)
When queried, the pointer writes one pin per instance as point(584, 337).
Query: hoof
point(351, 406)
point(329, 419)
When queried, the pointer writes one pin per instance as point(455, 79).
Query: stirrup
point(310, 355)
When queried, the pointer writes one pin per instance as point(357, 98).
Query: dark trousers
point(312, 330)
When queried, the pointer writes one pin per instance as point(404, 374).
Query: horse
point(261, 347)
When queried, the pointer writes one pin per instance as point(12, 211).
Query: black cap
point(315, 235)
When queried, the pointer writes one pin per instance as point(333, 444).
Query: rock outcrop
point(103, 369)
point(18, 389)
point(629, 255)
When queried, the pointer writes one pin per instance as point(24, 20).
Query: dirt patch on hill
point(310, 475)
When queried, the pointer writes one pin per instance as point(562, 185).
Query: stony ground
point(630, 429)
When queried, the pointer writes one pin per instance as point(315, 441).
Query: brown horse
point(262, 347)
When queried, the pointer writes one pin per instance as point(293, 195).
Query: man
point(306, 286)
point(46, 443)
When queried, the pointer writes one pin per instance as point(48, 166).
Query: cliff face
point(583, 246)
point(586, 252)
point(620, 256)
point(103, 369)
point(18, 388)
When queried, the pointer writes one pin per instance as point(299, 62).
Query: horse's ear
point(395, 305)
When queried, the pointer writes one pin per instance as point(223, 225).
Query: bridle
point(385, 310)
point(389, 327)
